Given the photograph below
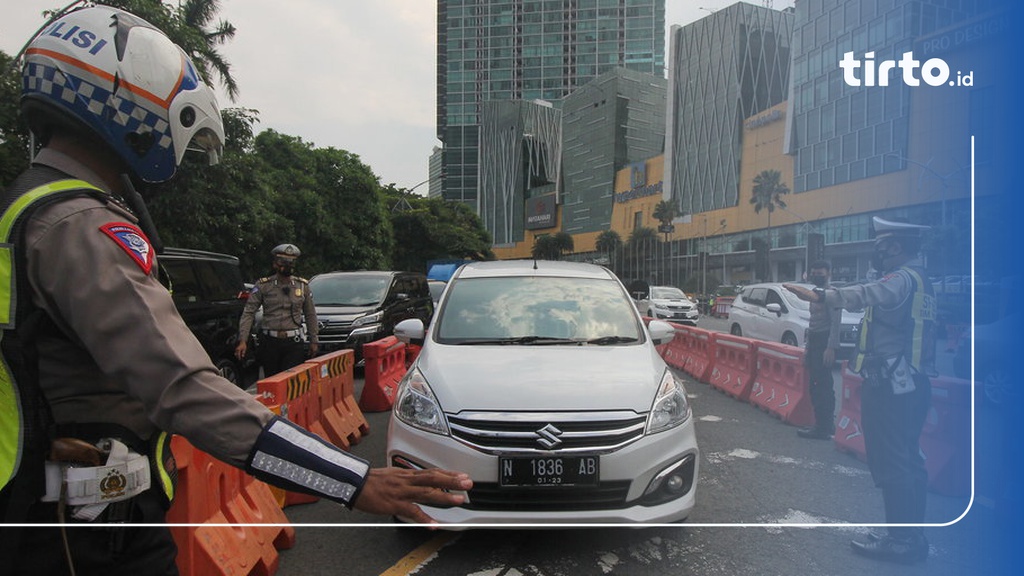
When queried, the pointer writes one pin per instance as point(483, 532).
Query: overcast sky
point(353, 74)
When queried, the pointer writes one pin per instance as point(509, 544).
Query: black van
point(353, 308)
point(209, 293)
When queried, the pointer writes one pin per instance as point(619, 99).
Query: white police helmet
point(121, 78)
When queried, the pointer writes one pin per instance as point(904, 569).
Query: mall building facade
point(846, 153)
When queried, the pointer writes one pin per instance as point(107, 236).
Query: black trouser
point(95, 550)
point(892, 430)
point(822, 386)
point(279, 354)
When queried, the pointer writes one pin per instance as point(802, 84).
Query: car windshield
point(667, 293)
point(537, 310)
point(346, 290)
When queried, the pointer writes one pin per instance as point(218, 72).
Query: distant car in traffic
point(669, 303)
point(540, 380)
point(767, 311)
point(209, 293)
point(354, 308)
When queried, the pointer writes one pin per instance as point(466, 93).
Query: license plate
point(549, 471)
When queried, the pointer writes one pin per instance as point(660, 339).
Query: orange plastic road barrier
point(734, 365)
point(385, 367)
point(699, 350)
point(780, 384)
point(412, 351)
point(849, 436)
point(675, 352)
point(211, 492)
point(946, 438)
point(292, 391)
point(341, 416)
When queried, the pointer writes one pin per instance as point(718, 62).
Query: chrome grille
point(505, 432)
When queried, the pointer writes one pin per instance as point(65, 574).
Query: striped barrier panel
point(342, 418)
point(292, 395)
point(849, 436)
point(734, 365)
point(211, 492)
point(385, 367)
point(780, 384)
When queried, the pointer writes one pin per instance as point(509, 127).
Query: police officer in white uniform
point(96, 360)
point(895, 357)
point(286, 300)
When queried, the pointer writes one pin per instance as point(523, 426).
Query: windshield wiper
point(606, 340)
point(521, 340)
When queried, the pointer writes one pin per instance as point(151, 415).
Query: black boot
point(887, 548)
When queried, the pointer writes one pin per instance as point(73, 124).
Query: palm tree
point(564, 243)
point(768, 191)
point(545, 248)
point(664, 212)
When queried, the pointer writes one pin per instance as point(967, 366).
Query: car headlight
point(416, 405)
point(670, 408)
point(368, 319)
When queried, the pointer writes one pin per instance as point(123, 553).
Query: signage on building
point(766, 118)
point(540, 212)
point(637, 174)
point(640, 192)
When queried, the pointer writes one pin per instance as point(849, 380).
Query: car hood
point(542, 378)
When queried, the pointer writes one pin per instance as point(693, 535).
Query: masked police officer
point(895, 356)
point(97, 363)
point(285, 299)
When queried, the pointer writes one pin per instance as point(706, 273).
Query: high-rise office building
point(723, 69)
point(841, 133)
point(528, 50)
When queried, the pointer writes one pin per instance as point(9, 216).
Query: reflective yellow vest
point(919, 347)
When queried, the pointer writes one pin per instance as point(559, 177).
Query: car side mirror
point(775, 307)
point(661, 332)
point(410, 331)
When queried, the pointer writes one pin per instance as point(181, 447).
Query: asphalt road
point(762, 492)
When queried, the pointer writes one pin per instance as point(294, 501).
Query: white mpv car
point(541, 382)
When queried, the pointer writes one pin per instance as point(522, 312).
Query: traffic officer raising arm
point(895, 357)
point(286, 299)
point(96, 360)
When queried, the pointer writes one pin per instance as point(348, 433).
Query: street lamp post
point(704, 250)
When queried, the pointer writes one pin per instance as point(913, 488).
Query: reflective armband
point(291, 458)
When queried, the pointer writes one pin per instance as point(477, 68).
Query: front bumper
point(625, 475)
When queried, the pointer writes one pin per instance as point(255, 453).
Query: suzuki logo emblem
point(548, 436)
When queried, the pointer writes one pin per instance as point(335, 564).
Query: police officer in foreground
point(285, 299)
point(895, 357)
point(97, 363)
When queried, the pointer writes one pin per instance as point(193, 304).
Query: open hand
point(399, 491)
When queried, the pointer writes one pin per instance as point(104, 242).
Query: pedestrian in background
point(286, 300)
point(98, 366)
point(820, 355)
point(895, 356)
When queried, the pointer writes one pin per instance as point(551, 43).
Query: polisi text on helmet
point(84, 39)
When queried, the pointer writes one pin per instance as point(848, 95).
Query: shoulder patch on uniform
point(132, 241)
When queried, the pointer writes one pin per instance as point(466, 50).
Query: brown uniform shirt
point(285, 302)
point(124, 356)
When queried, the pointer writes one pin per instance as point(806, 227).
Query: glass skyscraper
point(724, 68)
point(840, 133)
point(525, 50)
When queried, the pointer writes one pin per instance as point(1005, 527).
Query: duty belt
point(283, 333)
point(90, 488)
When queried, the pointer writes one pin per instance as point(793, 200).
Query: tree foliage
point(269, 188)
point(427, 229)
